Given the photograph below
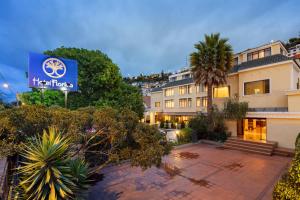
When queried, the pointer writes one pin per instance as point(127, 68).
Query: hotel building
point(264, 76)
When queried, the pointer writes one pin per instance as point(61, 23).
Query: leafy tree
point(97, 75)
point(48, 171)
point(211, 63)
point(51, 98)
point(126, 96)
point(293, 42)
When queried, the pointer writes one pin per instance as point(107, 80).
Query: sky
point(140, 36)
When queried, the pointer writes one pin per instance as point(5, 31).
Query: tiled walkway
point(195, 172)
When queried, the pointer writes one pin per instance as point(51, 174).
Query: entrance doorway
point(255, 129)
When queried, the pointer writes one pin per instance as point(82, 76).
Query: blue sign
point(52, 73)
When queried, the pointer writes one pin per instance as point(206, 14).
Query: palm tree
point(211, 63)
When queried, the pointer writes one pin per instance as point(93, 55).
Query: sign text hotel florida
point(52, 72)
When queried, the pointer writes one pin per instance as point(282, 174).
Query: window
point(221, 92)
point(182, 90)
point(169, 103)
point(201, 102)
point(257, 87)
point(236, 61)
point(187, 89)
point(198, 102)
point(169, 92)
point(157, 104)
point(183, 103)
point(259, 54)
point(189, 102)
point(201, 88)
point(186, 76)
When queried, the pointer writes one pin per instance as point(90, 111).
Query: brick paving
point(198, 171)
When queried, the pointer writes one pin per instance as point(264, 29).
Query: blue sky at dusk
point(140, 36)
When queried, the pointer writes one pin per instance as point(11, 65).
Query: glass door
point(255, 129)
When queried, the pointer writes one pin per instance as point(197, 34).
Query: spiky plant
point(48, 172)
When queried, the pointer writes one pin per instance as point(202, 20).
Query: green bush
point(200, 125)
point(184, 136)
point(288, 188)
point(162, 124)
point(182, 125)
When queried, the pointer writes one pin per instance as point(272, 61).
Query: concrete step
point(264, 143)
point(260, 146)
point(250, 151)
point(280, 151)
point(254, 148)
point(251, 146)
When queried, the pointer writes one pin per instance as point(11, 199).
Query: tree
point(51, 98)
point(211, 63)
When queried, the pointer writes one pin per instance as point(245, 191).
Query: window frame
point(157, 102)
point(244, 82)
point(213, 92)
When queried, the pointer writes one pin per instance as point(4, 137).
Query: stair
point(279, 151)
point(250, 146)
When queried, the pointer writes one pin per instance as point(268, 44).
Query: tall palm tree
point(211, 63)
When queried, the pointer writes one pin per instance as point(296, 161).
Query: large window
point(201, 102)
point(157, 104)
point(257, 87)
point(201, 88)
point(221, 92)
point(259, 54)
point(169, 103)
point(183, 103)
point(169, 92)
point(187, 89)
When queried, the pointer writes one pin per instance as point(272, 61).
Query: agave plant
point(48, 172)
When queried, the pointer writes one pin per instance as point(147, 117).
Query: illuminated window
point(203, 101)
point(182, 103)
point(259, 54)
point(257, 87)
point(182, 90)
point(189, 102)
point(201, 88)
point(169, 103)
point(189, 89)
point(167, 117)
point(221, 92)
point(157, 104)
point(169, 92)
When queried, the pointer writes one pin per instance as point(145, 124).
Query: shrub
point(289, 185)
point(184, 136)
point(182, 125)
point(48, 171)
point(200, 125)
point(162, 124)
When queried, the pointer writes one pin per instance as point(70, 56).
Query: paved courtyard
point(195, 172)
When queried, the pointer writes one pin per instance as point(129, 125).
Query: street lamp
point(43, 90)
point(6, 86)
point(66, 90)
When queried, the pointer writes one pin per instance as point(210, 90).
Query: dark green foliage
point(288, 188)
point(292, 42)
point(217, 131)
point(182, 125)
point(51, 98)
point(184, 136)
point(235, 110)
point(162, 124)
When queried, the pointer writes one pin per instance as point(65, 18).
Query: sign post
point(47, 72)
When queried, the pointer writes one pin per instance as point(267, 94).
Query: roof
point(245, 65)
point(157, 89)
point(260, 62)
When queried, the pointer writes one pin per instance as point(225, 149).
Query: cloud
point(141, 36)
